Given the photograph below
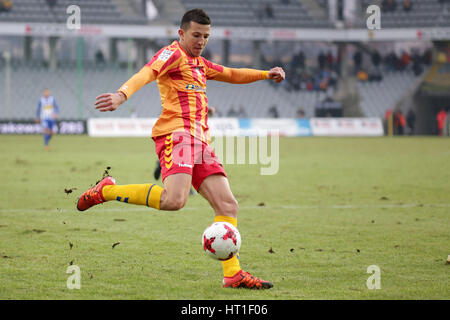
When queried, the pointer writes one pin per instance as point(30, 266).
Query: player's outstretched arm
point(111, 101)
point(242, 75)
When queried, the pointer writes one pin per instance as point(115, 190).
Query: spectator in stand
point(376, 59)
point(392, 61)
point(427, 57)
point(321, 59)
point(446, 131)
point(309, 85)
point(294, 82)
point(324, 79)
point(362, 76)
point(357, 60)
point(416, 63)
point(241, 112)
point(388, 5)
point(333, 79)
point(387, 120)
point(5, 5)
point(301, 60)
point(52, 3)
point(399, 123)
point(269, 11)
point(273, 112)
point(387, 114)
point(441, 118)
point(407, 5)
point(411, 121)
point(212, 111)
point(330, 60)
point(392, 5)
point(301, 113)
point(375, 74)
point(317, 81)
point(405, 61)
point(232, 112)
point(298, 61)
point(100, 57)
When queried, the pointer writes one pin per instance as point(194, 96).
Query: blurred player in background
point(181, 73)
point(46, 115)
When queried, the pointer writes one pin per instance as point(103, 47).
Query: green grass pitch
point(336, 206)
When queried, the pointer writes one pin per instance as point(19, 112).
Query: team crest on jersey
point(165, 55)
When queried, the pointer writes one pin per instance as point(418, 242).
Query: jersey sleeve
point(164, 60)
point(233, 75)
point(137, 81)
point(161, 62)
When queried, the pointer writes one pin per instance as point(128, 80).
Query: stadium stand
point(378, 97)
point(423, 13)
point(6, 5)
point(94, 11)
point(255, 13)
point(259, 13)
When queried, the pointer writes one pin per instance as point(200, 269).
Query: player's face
point(195, 38)
point(46, 93)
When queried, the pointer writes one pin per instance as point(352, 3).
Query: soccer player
point(181, 134)
point(47, 113)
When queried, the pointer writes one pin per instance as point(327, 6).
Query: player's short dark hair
point(196, 15)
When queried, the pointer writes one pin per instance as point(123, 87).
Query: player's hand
point(109, 101)
point(37, 120)
point(277, 74)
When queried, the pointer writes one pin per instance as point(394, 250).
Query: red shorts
point(179, 152)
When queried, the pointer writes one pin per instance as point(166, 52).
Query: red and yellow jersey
point(181, 82)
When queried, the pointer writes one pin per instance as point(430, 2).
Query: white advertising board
point(346, 127)
point(120, 127)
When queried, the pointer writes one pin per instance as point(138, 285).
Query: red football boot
point(245, 280)
point(94, 195)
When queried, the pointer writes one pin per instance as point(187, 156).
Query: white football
point(221, 241)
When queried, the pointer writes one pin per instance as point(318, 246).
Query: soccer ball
point(221, 241)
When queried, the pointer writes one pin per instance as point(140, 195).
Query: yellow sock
point(231, 266)
point(142, 194)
